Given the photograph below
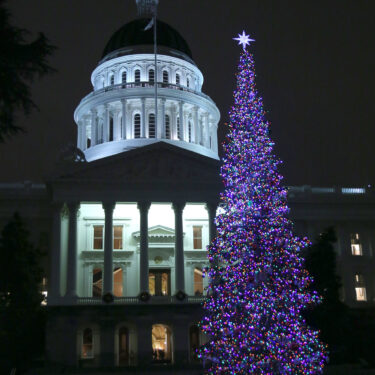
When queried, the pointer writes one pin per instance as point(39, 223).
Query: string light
point(258, 285)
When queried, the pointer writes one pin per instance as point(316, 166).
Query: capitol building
point(128, 214)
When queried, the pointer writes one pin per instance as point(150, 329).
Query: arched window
point(137, 125)
point(178, 128)
point(110, 129)
point(87, 348)
point(189, 131)
point(198, 282)
point(167, 127)
point(137, 76)
point(188, 82)
point(151, 125)
point(151, 75)
point(165, 76)
point(123, 346)
point(88, 143)
point(178, 79)
point(194, 334)
point(112, 79)
point(123, 76)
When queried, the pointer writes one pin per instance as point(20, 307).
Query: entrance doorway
point(123, 346)
point(161, 344)
point(159, 282)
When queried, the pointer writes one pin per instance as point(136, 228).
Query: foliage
point(20, 63)
point(258, 284)
point(21, 314)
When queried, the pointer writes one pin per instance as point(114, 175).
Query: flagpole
point(156, 74)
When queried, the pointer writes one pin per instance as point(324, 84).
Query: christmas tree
point(258, 285)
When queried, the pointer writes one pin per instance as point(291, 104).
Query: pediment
point(157, 162)
point(158, 234)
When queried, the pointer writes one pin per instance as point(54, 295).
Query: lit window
point(355, 244)
point(137, 76)
point(44, 291)
point(98, 237)
point(151, 125)
point(165, 76)
point(177, 79)
point(198, 282)
point(123, 76)
point(360, 288)
point(117, 237)
point(87, 344)
point(197, 237)
point(151, 75)
point(97, 282)
point(137, 126)
point(112, 79)
point(117, 282)
point(167, 127)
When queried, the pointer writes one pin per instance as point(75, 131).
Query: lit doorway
point(161, 344)
point(159, 282)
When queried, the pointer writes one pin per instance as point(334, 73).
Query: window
point(151, 125)
point(123, 76)
point(97, 282)
point(98, 237)
point(360, 288)
point(137, 125)
point(161, 344)
point(194, 343)
point(117, 282)
point(159, 282)
point(197, 237)
point(178, 79)
point(165, 76)
point(355, 244)
point(112, 79)
point(123, 347)
point(167, 127)
point(44, 291)
point(198, 282)
point(189, 131)
point(87, 344)
point(137, 76)
point(117, 237)
point(111, 129)
point(151, 75)
point(178, 128)
point(188, 82)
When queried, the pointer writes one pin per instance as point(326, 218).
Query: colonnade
point(202, 130)
point(108, 207)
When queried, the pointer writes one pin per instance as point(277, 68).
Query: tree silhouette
point(20, 63)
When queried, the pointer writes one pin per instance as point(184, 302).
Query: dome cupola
point(140, 98)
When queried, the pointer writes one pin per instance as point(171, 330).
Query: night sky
point(314, 62)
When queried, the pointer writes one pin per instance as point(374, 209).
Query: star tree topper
point(244, 39)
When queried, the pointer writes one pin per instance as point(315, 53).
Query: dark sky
point(315, 70)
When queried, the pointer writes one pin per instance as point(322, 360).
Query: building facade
point(128, 215)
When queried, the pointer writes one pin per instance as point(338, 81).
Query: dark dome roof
point(133, 34)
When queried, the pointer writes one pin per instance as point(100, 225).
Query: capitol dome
point(132, 38)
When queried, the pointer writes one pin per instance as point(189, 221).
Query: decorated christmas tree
point(258, 284)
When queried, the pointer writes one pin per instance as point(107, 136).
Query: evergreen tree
point(258, 284)
point(21, 314)
point(20, 63)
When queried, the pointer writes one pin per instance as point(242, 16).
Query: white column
point(106, 123)
point(108, 247)
point(71, 288)
point(84, 134)
point(206, 133)
point(55, 278)
point(182, 122)
point(195, 136)
point(211, 208)
point(143, 272)
point(129, 122)
point(143, 118)
point(93, 127)
point(124, 128)
point(162, 122)
point(214, 137)
point(178, 208)
point(116, 125)
point(79, 134)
